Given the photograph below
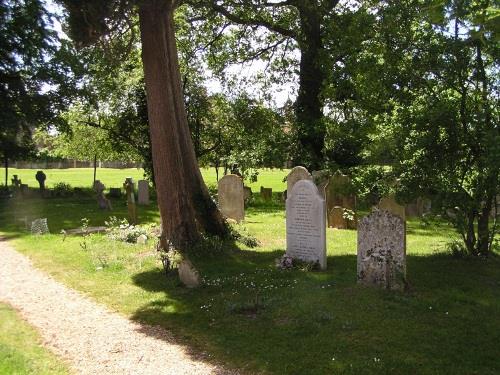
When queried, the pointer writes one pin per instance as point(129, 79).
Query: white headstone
point(382, 250)
point(231, 197)
point(296, 174)
point(143, 194)
point(306, 223)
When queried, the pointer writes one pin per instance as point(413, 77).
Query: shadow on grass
point(330, 315)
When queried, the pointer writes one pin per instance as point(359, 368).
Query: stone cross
point(102, 201)
point(41, 177)
point(128, 185)
point(143, 193)
point(16, 181)
point(297, 174)
point(305, 224)
point(382, 250)
point(231, 197)
point(338, 194)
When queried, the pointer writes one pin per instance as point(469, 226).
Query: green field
point(20, 349)
point(253, 317)
point(83, 177)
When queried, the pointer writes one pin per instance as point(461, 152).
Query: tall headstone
point(128, 185)
point(382, 250)
point(305, 223)
point(41, 177)
point(102, 201)
point(339, 193)
point(389, 203)
point(266, 193)
point(231, 197)
point(39, 226)
point(143, 193)
point(297, 174)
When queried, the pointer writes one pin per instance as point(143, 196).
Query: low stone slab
point(188, 275)
point(81, 231)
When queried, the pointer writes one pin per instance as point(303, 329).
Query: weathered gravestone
point(266, 193)
point(188, 274)
point(41, 177)
point(128, 185)
point(297, 174)
point(39, 226)
point(389, 204)
point(143, 193)
point(382, 250)
point(231, 197)
point(16, 181)
point(247, 193)
point(338, 193)
point(102, 201)
point(305, 224)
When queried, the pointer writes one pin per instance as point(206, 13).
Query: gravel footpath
point(89, 337)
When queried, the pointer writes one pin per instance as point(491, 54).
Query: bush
point(62, 189)
point(121, 230)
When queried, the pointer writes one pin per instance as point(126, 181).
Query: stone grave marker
point(231, 197)
point(389, 204)
point(25, 191)
point(382, 250)
point(305, 224)
point(102, 201)
point(247, 193)
point(321, 178)
point(16, 181)
point(128, 185)
point(266, 193)
point(41, 177)
point(338, 192)
point(115, 192)
point(39, 226)
point(297, 174)
point(143, 193)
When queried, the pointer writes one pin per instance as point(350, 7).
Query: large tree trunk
point(185, 205)
point(309, 105)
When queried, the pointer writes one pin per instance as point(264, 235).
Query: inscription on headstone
point(305, 223)
point(382, 250)
point(143, 193)
point(231, 197)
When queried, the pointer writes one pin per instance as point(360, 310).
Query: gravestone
point(389, 203)
point(231, 197)
point(115, 192)
point(188, 274)
point(418, 208)
point(338, 192)
point(247, 193)
point(41, 177)
point(24, 190)
point(305, 224)
point(266, 193)
point(297, 174)
point(143, 193)
point(39, 226)
point(128, 185)
point(382, 250)
point(102, 201)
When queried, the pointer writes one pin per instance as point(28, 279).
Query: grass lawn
point(83, 177)
point(20, 351)
point(251, 316)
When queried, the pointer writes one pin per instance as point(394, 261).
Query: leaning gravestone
point(297, 174)
point(102, 201)
point(231, 197)
point(143, 193)
point(305, 224)
point(128, 185)
point(389, 204)
point(382, 250)
point(39, 226)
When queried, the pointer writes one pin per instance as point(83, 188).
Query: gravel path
point(92, 339)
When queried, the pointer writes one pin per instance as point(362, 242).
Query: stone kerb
point(381, 258)
point(231, 197)
point(306, 224)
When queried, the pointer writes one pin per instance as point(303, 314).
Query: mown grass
point(20, 349)
point(83, 177)
point(251, 316)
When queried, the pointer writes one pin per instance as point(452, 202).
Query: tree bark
point(309, 105)
point(185, 205)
